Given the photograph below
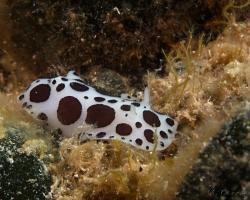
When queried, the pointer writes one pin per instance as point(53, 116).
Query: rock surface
point(223, 169)
point(22, 176)
point(126, 36)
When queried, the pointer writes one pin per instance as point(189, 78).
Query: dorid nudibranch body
point(66, 103)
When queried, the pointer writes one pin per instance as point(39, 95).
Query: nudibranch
point(67, 103)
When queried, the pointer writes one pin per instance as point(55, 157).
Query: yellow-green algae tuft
point(108, 171)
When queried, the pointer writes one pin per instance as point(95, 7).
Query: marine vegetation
point(194, 58)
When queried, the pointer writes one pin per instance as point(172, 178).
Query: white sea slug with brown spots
point(66, 103)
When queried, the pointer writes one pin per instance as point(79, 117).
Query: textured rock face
point(127, 36)
point(223, 169)
point(22, 176)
